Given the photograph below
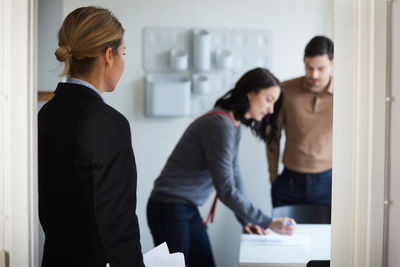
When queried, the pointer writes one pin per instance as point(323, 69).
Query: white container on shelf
point(201, 84)
point(201, 50)
point(178, 59)
point(224, 59)
point(167, 95)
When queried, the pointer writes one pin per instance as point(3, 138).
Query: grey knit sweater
point(206, 157)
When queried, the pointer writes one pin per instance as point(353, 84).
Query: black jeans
point(182, 228)
point(291, 188)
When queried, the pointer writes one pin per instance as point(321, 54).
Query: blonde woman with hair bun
point(87, 170)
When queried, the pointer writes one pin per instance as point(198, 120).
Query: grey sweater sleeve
point(220, 149)
point(238, 182)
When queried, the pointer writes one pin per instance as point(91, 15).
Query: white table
point(288, 255)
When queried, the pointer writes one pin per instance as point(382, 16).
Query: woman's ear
point(108, 57)
point(250, 95)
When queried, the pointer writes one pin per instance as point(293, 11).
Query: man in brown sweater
point(306, 117)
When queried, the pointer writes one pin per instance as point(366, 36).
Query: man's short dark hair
point(318, 46)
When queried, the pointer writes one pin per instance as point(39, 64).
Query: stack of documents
point(276, 239)
point(160, 256)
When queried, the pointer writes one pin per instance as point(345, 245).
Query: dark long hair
point(236, 100)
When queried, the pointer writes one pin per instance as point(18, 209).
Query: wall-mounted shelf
point(213, 58)
point(168, 95)
point(249, 48)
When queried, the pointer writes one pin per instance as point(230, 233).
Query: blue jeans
point(182, 228)
point(291, 188)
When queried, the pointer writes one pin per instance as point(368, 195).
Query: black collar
point(73, 89)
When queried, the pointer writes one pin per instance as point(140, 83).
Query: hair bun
point(63, 53)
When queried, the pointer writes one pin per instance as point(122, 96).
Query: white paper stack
point(160, 256)
point(276, 239)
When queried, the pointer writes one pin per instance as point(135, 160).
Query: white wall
point(50, 16)
point(394, 170)
point(292, 23)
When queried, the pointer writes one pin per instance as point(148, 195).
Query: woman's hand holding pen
point(283, 226)
point(254, 229)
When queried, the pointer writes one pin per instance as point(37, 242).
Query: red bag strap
point(218, 112)
point(210, 217)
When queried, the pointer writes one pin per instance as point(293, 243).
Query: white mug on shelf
point(224, 59)
point(201, 84)
point(178, 59)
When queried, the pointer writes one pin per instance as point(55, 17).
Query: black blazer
point(87, 182)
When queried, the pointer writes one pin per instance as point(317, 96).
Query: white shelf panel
point(251, 49)
point(220, 83)
point(157, 44)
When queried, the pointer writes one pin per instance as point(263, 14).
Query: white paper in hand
point(161, 249)
point(159, 256)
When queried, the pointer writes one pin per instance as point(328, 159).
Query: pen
point(285, 221)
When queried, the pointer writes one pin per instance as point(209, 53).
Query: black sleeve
point(114, 188)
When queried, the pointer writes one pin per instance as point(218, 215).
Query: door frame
point(18, 178)
point(359, 132)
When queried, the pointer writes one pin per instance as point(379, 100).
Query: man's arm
point(273, 160)
point(273, 150)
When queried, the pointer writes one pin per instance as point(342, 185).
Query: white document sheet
point(160, 250)
point(276, 239)
point(159, 256)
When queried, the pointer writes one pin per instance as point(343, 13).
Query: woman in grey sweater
point(206, 158)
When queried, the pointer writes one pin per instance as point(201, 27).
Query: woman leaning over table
point(206, 158)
